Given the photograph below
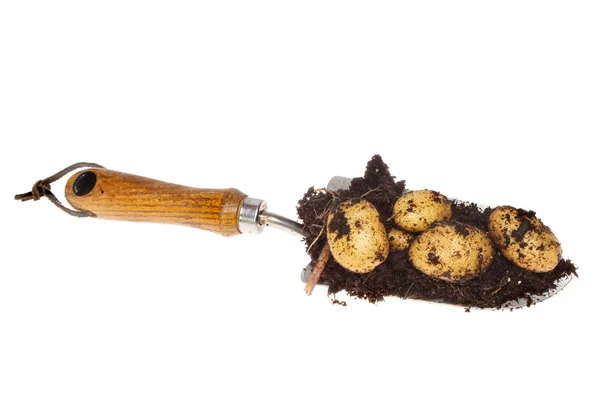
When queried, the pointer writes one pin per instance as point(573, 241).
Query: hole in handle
point(84, 183)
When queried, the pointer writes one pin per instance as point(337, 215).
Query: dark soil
point(501, 283)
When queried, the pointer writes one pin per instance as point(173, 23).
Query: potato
point(356, 236)
point(416, 211)
point(399, 240)
point(452, 251)
point(524, 239)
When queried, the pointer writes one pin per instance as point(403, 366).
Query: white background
point(495, 102)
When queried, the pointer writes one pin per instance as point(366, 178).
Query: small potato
point(416, 211)
point(453, 252)
point(524, 239)
point(399, 240)
point(356, 236)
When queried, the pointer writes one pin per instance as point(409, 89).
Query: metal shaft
point(267, 218)
point(254, 217)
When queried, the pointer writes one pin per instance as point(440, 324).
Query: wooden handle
point(115, 195)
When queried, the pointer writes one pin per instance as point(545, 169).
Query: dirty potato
point(356, 236)
point(524, 239)
point(399, 240)
point(453, 252)
point(416, 211)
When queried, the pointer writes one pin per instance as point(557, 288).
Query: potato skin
point(399, 240)
point(524, 239)
point(452, 251)
point(356, 236)
point(416, 211)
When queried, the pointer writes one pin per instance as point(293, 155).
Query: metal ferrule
point(249, 215)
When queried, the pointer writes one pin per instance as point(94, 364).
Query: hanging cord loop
point(42, 189)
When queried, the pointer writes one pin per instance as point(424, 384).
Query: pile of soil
point(501, 283)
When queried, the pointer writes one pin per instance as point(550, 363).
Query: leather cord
point(42, 189)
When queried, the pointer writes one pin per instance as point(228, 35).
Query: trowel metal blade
point(342, 183)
